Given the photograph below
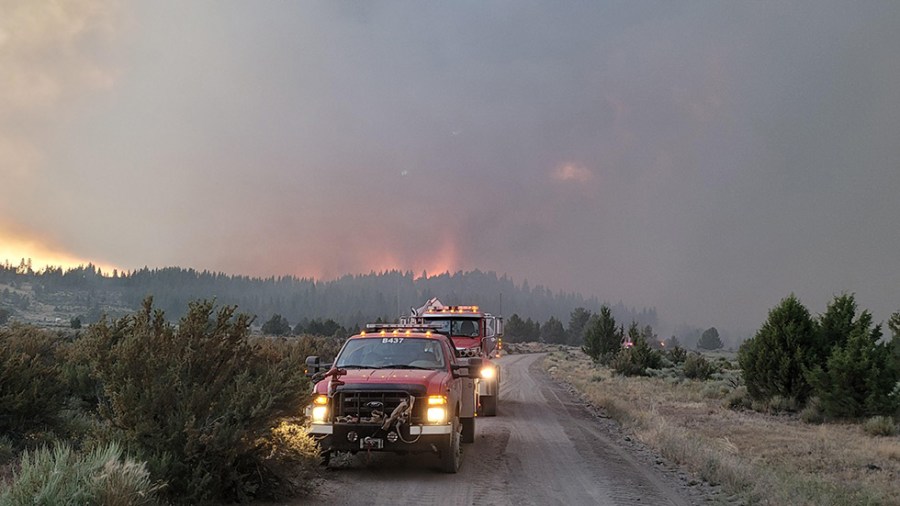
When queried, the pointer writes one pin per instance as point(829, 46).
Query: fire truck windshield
point(455, 327)
point(391, 352)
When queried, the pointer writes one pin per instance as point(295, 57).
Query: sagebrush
point(31, 393)
point(199, 401)
point(637, 359)
point(697, 367)
point(61, 475)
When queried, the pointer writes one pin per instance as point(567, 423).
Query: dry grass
point(767, 459)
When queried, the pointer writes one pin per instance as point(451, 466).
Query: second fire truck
point(474, 334)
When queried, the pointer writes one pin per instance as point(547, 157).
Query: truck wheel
point(468, 430)
point(325, 451)
point(451, 454)
point(489, 405)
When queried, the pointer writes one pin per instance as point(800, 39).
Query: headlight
point(320, 409)
point(437, 412)
point(437, 415)
point(488, 372)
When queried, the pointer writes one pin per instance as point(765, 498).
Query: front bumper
point(353, 437)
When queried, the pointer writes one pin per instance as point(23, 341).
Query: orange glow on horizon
point(433, 260)
point(14, 249)
point(447, 258)
point(437, 259)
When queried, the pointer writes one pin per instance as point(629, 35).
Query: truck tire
point(450, 452)
point(325, 451)
point(468, 430)
point(489, 405)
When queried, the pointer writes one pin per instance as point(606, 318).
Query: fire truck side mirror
point(472, 367)
point(493, 326)
point(312, 365)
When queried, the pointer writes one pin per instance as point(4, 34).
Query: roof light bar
point(453, 309)
point(397, 327)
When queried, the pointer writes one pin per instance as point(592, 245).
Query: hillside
point(55, 296)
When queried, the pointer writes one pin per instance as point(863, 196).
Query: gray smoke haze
point(707, 159)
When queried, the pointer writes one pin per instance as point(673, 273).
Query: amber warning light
point(455, 309)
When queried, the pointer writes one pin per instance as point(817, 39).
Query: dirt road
point(544, 447)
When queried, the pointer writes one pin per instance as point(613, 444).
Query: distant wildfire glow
point(13, 250)
point(438, 257)
point(447, 258)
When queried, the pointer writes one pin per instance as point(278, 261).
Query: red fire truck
point(474, 334)
point(395, 388)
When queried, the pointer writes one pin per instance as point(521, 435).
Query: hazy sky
point(707, 158)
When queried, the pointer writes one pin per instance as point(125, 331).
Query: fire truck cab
point(474, 333)
point(395, 388)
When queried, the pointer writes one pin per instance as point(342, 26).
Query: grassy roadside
point(767, 459)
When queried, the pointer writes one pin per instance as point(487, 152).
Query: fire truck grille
point(369, 406)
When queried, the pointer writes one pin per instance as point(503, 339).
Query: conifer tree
point(773, 361)
point(578, 321)
point(709, 340)
point(277, 326)
point(858, 376)
point(602, 339)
